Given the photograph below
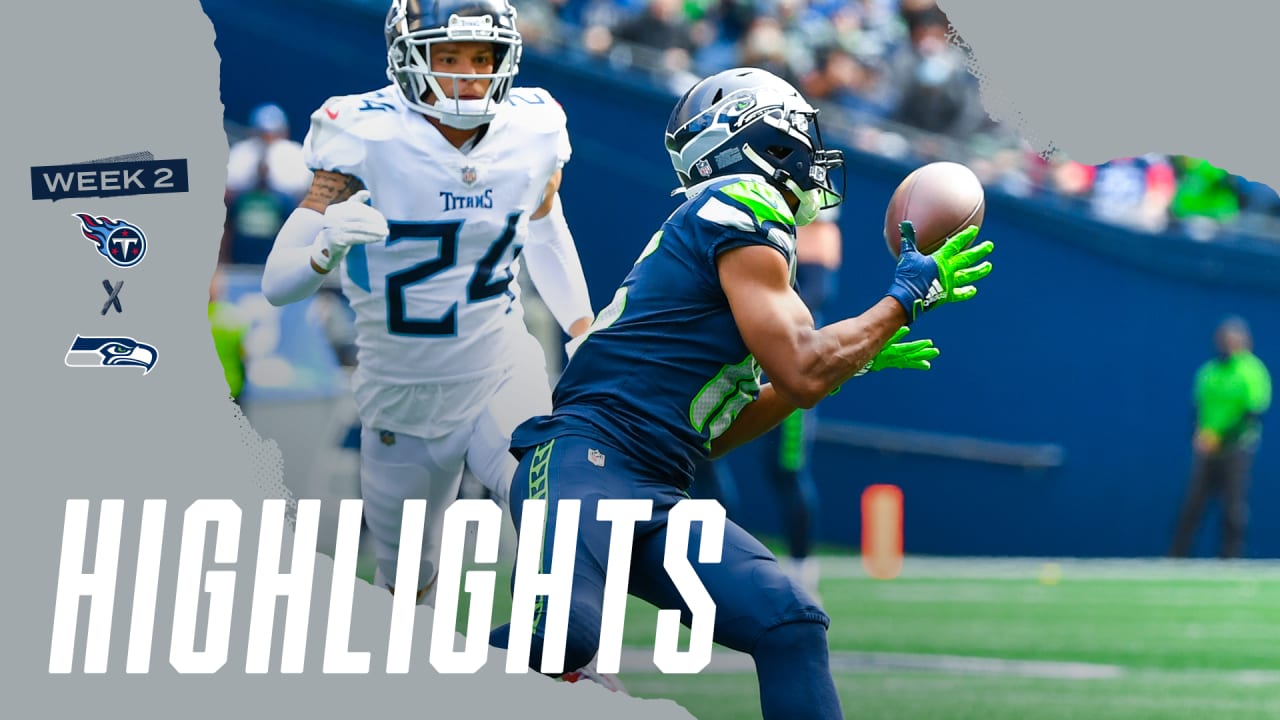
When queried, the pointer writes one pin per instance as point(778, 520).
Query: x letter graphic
point(113, 296)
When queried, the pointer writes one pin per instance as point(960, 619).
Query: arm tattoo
point(328, 188)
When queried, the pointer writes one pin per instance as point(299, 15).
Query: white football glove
point(346, 224)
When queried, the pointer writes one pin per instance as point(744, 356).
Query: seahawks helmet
point(748, 120)
point(413, 26)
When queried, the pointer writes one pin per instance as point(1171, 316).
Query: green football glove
point(923, 282)
point(914, 355)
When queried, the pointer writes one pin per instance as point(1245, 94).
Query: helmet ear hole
point(779, 152)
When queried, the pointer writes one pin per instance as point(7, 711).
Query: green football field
point(996, 639)
point(969, 638)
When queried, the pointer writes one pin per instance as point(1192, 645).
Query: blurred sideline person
point(425, 193)
point(268, 157)
point(266, 178)
point(1232, 391)
point(789, 446)
point(229, 329)
point(669, 375)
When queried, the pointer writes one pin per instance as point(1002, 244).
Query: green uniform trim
point(538, 477)
point(763, 200)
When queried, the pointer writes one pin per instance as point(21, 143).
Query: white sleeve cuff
point(552, 260)
point(288, 276)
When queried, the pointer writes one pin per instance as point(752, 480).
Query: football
point(940, 199)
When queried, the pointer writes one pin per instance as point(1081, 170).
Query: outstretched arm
point(804, 363)
point(316, 236)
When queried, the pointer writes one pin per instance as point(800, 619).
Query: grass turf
point(1167, 640)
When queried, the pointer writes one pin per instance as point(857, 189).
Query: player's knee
point(581, 644)
point(802, 637)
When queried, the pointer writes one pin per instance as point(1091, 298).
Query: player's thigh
point(553, 472)
point(395, 467)
point(751, 592)
point(522, 393)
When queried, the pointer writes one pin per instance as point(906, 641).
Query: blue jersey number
point(482, 286)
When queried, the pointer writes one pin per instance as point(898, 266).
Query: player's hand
point(923, 282)
point(1206, 442)
point(347, 224)
point(914, 355)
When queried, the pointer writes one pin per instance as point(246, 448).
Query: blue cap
point(269, 118)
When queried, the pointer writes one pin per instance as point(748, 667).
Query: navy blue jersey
point(664, 369)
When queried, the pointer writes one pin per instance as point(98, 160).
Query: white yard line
point(636, 660)
point(1014, 568)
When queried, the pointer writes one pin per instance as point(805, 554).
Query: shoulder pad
point(536, 112)
point(338, 128)
point(765, 203)
point(537, 108)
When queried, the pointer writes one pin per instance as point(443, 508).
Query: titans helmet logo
point(88, 351)
point(119, 241)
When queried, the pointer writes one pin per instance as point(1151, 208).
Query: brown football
point(940, 199)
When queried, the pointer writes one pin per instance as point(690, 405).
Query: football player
point(670, 371)
point(425, 194)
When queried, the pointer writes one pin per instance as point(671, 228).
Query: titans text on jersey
point(439, 278)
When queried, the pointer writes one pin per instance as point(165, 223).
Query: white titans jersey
point(437, 302)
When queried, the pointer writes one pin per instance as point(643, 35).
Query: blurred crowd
point(890, 75)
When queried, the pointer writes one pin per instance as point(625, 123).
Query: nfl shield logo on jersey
point(469, 176)
point(595, 457)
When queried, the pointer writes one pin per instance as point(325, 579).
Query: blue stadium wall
point(1084, 339)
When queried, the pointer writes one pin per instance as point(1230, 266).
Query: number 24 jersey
point(437, 302)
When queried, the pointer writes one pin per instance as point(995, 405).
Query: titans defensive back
point(460, 173)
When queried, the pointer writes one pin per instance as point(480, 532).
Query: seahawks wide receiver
point(670, 373)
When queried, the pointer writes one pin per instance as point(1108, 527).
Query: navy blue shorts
point(751, 593)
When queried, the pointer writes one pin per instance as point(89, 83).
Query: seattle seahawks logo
point(88, 351)
point(119, 241)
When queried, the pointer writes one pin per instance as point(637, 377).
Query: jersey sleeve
point(1258, 384)
point(544, 116)
point(748, 212)
point(563, 149)
point(331, 144)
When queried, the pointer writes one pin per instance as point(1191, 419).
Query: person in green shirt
point(1231, 393)
point(228, 330)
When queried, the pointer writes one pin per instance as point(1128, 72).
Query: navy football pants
point(751, 593)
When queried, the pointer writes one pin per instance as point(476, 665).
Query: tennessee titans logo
point(119, 241)
point(469, 176)
point(110, 352)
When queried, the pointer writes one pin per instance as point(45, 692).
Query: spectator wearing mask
point(938, 93)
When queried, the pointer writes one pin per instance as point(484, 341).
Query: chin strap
point(808, 210)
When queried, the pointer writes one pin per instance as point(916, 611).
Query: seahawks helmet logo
point(90, 351)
